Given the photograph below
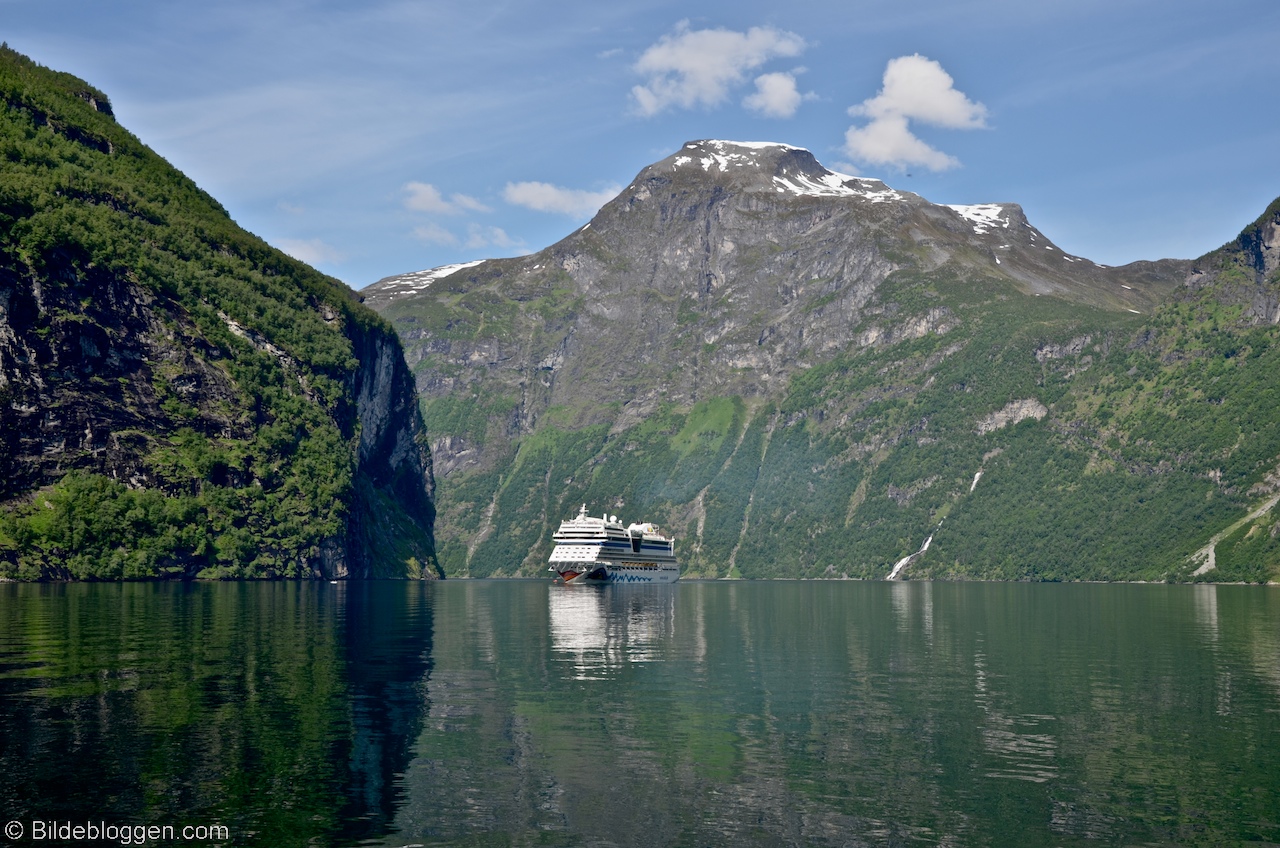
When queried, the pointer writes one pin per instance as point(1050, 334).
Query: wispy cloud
point(545, 197)
point(479, 235)
point(689, 68)
point(268, 139)
point(311, 251)
point(424, 197)
point(434, 234)
point(914, 89)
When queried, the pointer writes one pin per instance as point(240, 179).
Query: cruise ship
point(601, 550)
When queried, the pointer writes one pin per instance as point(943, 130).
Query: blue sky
point(375, 138)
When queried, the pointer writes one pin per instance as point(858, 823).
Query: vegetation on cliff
point(177, 397)
point(801, 385)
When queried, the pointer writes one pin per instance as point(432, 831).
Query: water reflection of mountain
point(283, 711)
point(599, 628)
point(836, 714)
point(487, 712)
point(387, 640)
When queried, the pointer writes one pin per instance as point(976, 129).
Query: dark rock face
point(1244, 271)
point(1261, 243)
point(393, 455)
point(85, 367)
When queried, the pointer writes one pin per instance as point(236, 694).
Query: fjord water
point(770, 713)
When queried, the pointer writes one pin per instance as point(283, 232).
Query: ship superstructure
point(600, 550)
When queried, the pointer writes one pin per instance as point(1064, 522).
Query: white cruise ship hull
point(616, 572)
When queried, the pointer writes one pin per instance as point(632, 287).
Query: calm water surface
point(524, 713)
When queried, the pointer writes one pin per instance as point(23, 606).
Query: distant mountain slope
point(1194, 392)
point(177, 398)
point(805, 374)
point(720, 271)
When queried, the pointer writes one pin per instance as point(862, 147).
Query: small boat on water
point(601, 550)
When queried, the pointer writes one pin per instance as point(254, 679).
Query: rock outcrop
point(1011, 413)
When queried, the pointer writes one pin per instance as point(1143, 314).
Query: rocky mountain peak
point(764, 166)
point(716, 211)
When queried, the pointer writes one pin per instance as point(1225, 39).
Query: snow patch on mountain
point(832, 184)
point(391, 288)
point(723, 155)
point(983, 216)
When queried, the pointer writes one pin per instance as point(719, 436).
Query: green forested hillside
point(857, 462)
point(1025, 426)
point(177, 397)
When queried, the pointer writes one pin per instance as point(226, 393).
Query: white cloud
point(690, 68)
point(545, 197)
point(468, 203)
point(888, 141)
point(918, 88)
point(482, 236)
point(424, 197)
point(310, 251)
point(776, 96)
point(434, 234)
point(914, 89)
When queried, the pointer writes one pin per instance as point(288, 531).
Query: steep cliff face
point(1260, 245)
point(1245, 271)
point(176, 397)
point(395, 505)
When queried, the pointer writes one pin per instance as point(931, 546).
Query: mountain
point(177, 398)
point(806, 374)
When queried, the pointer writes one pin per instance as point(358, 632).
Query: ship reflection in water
point(489, 712)
point(598, 630)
